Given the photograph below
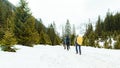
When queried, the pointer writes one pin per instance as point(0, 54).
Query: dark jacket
point(67, 40)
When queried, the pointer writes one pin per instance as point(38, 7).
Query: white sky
point(77, 11)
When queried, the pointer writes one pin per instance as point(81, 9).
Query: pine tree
point(54, 37)
point(67, 28)
point(89, 29)
point(89, 36)
point(47, 39)
point(116, 22)
point(73, 35)
point(57, 40)
point(91, 39)
point(51, 33)
point(25, 25)
point(98, 29)
point(109, 23)
point(117, 44)
point(8, 41)
point(41, 29)
point(85, 41)
point(1, 20)
point(1, 13)
point(40, 26)
point(44, 38)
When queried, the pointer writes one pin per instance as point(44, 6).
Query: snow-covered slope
point(56, 57)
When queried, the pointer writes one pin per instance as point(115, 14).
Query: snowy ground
point(56, 57)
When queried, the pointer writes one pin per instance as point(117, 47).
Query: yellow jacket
point(79, 40)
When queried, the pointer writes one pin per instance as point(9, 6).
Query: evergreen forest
point(18, 26)
point(107, 31)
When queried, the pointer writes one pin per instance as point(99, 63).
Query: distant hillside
point(7, 3)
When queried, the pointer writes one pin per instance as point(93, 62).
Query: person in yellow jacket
point(78, 43)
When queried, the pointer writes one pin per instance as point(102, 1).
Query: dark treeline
point(18, 26)
point(105, 31)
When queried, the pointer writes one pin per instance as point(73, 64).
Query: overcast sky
point(77, 11)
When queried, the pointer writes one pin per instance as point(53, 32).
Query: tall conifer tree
point(25, 25)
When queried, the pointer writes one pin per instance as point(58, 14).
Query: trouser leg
point(67, 47)
point(64, 46)
point(79, 49)
point(76, 49)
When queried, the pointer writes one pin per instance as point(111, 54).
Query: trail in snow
point(56, 57)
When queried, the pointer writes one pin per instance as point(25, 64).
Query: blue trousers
point(78, 48)
point(68, 46)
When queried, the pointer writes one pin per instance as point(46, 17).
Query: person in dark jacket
point(68, 42)
point(78, 43)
